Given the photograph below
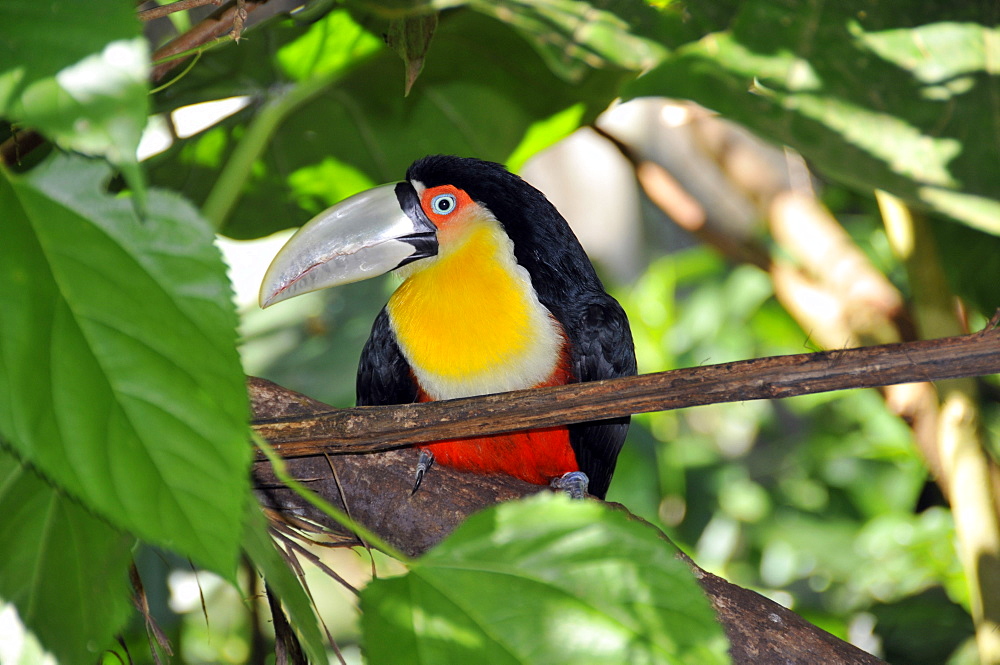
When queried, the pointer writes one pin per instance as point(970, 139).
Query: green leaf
point(119, 378)
point(65, 570)
point(329, 47)
point(461, 104)
point(572, 36)
point(79, 76)
point(575, 36)
point(281, 580)
point(39, 40)
point(874, 95)
point(546, 580)
point(545, 133)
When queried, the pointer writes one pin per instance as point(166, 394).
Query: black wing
point(601, 348)
point(384, 376)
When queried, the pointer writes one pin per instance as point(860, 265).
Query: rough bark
point(375, 489)
point(763, 632)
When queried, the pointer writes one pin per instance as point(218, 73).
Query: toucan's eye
point(444, 204)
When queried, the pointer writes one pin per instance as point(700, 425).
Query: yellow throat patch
point(470, 323)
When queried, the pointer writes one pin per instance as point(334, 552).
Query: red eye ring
point(441, 203)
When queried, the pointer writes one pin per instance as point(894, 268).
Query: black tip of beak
point(424, 237)
point(424, 244)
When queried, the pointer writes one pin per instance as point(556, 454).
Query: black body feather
point(384, 376)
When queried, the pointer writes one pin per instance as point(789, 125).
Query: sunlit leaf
point(80, 77)
point(876, 96)
point(546, 580)
point(329, 46)
point(319, 186)
point(544, 134)
point(118, 374)
point(574, 36)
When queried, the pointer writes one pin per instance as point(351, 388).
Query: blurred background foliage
point(720, 242)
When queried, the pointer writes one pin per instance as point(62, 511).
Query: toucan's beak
point(363, 236)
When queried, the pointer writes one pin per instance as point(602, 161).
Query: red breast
point(536, 456)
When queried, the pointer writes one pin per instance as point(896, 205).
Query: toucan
point(496, 295)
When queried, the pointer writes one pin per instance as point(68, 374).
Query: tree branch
point(178, 6)
point(375, 489)
point(367, 429)
point(219, 24)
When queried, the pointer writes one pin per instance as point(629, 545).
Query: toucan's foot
point(574, 484)
point(424, 464)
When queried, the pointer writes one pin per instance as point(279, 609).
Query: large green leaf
point(574, 36)
point(546, 580)
point(65, 569)
point(119, 377)
point(876, 95)
point(362, 130)
point(77, 75)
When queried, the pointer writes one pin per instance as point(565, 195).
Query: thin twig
point(293, 563)
point(179, 6)
point(335, 514)
point(369, 429)
point(218, 24)
point(190, 66)
point(239, 18)
point(316, 561)
point(347, 509)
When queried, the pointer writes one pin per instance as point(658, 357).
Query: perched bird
point(497, 295)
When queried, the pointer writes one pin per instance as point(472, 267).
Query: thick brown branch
point(382, 428)
point(762, 632)
point(375, 490)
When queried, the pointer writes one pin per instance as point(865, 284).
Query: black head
point(543, 242)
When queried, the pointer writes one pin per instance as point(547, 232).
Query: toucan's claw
point(574, 483)
point(424, 463)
